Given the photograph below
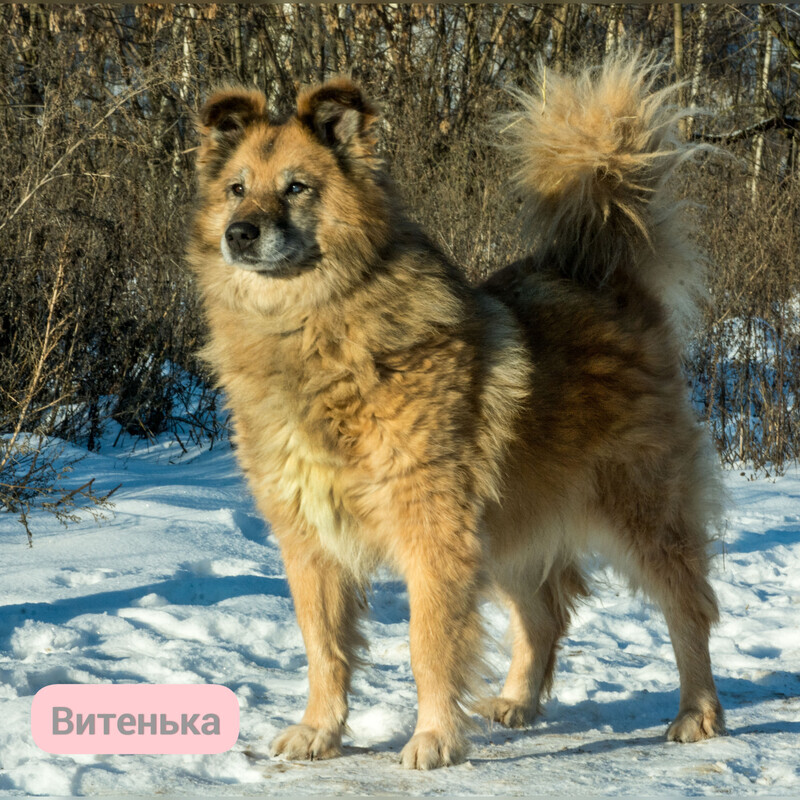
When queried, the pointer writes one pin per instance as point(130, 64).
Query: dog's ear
point(341, 117)
point(222, 123)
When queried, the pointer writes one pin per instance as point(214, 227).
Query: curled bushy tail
point(594, 150)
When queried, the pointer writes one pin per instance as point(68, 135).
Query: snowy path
point(182, 585)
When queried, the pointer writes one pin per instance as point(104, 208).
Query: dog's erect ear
point(340, 116)
point(222, 123)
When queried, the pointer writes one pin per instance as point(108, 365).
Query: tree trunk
point(560, 37)
point(238, 60)
point(765, 41)
point(612, 29)
point(677, 10)
point(697, 69)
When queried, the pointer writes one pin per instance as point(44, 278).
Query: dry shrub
point(96, 105)
point(97, 317)
point(455, 181)
point(746, 363)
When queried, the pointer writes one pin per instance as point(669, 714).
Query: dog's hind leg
point(690, 610)
point(676, 580)
point(539, 619)
point(327, 603)
point(664, 554)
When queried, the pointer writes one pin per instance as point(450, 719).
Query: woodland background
point(99, 323)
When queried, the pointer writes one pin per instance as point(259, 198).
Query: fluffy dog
point(472, 438)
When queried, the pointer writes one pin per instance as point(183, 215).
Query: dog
point(476, 439)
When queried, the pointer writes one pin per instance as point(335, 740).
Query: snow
point(184, 584)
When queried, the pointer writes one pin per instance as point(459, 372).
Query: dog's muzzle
point(241, 238)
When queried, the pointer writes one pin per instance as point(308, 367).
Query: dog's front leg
point(326, 600)
point(446, 640)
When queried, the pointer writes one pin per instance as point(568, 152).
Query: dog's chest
point(293, 451)
point(309, 480)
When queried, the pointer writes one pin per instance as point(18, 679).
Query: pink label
point(130, 718)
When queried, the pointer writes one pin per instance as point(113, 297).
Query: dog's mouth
point(271, 255)
point(285, 265)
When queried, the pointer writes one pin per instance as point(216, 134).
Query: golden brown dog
point(472, 438)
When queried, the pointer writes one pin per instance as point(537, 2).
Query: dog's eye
point(296, 188)
point(238, 189)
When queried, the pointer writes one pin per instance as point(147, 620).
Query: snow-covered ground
point(184, 584)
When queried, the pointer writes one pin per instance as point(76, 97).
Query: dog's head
point(283, 199)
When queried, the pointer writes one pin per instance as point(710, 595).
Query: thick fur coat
point(475, 439)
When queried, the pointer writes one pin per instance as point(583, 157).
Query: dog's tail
point(595, 149)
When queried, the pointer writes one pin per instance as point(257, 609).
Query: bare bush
point(96, 141)
point(747, 359)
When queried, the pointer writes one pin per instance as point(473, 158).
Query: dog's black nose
point(241, 235)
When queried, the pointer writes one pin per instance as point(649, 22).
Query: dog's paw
point(506, 712)
point(430, 750)
point(302, 742)
point(695, 724)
